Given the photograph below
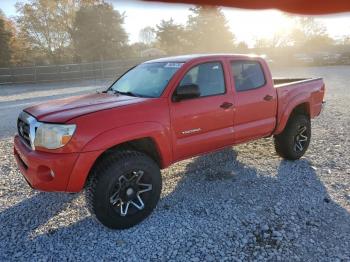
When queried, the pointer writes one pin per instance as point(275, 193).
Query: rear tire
point(293, 142)
point(123, 189)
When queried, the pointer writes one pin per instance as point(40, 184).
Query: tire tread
point(101, 167)
point(282, 141)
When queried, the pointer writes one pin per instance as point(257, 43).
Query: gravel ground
point(242, 203)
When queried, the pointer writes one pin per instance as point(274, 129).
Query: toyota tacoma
point(114, 143)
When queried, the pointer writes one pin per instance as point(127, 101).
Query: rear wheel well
point(302, 109)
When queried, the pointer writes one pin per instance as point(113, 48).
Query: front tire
point(293, 142)
point(123, 189)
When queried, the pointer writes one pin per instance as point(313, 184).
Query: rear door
point(254, 98)
point(205, 123)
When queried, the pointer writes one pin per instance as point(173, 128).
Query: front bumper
point(53, 172)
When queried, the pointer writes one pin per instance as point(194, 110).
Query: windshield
point(147, 80)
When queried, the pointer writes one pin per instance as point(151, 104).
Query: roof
point(187, 58)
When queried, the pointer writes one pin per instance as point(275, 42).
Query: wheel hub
point(128, 192)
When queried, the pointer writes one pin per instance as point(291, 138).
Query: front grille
point(23, 131)
point(26, 126)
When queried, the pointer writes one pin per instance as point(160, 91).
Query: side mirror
point(186, 92)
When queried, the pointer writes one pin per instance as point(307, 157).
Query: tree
point(147, 35)
point(136, 49)
point(262, 43)
point(208, 30)
point(310, 34)
point(242, 46)
point(310, 27)
point(5, 39)
point(98, 33)
point(171, 37)
point(46, 26)
point(278, 39)
point(345, 40)
point(20, 51)
point(41, 25)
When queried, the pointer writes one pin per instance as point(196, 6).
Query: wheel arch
point(154, 143)
point(301, 108)
point(145, 145)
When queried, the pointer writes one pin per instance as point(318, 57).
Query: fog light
point(45, 173)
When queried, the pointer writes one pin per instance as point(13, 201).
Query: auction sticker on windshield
point(173, 65)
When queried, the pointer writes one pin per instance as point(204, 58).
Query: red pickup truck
point(114, 143)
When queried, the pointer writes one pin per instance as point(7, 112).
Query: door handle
point(268, 97)
point(226, 105)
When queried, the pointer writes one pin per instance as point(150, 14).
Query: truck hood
point(63, 110)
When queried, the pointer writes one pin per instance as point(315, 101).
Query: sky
point(247, 25)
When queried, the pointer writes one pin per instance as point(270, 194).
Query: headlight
point(52, 136)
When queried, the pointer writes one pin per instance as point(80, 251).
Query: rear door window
point(247, 75)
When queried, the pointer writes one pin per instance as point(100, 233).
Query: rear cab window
point(247, 75)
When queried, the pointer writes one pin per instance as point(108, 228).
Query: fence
point(68, 72)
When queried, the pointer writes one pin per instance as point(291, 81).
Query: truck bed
point(280, 82)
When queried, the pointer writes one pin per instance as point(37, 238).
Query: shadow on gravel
point(291, 201)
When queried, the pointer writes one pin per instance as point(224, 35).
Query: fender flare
point(113, 137)
point(299, 99)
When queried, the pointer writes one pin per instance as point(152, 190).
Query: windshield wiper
point(127, 93)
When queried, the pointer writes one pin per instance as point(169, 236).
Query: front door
point(204, 123)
